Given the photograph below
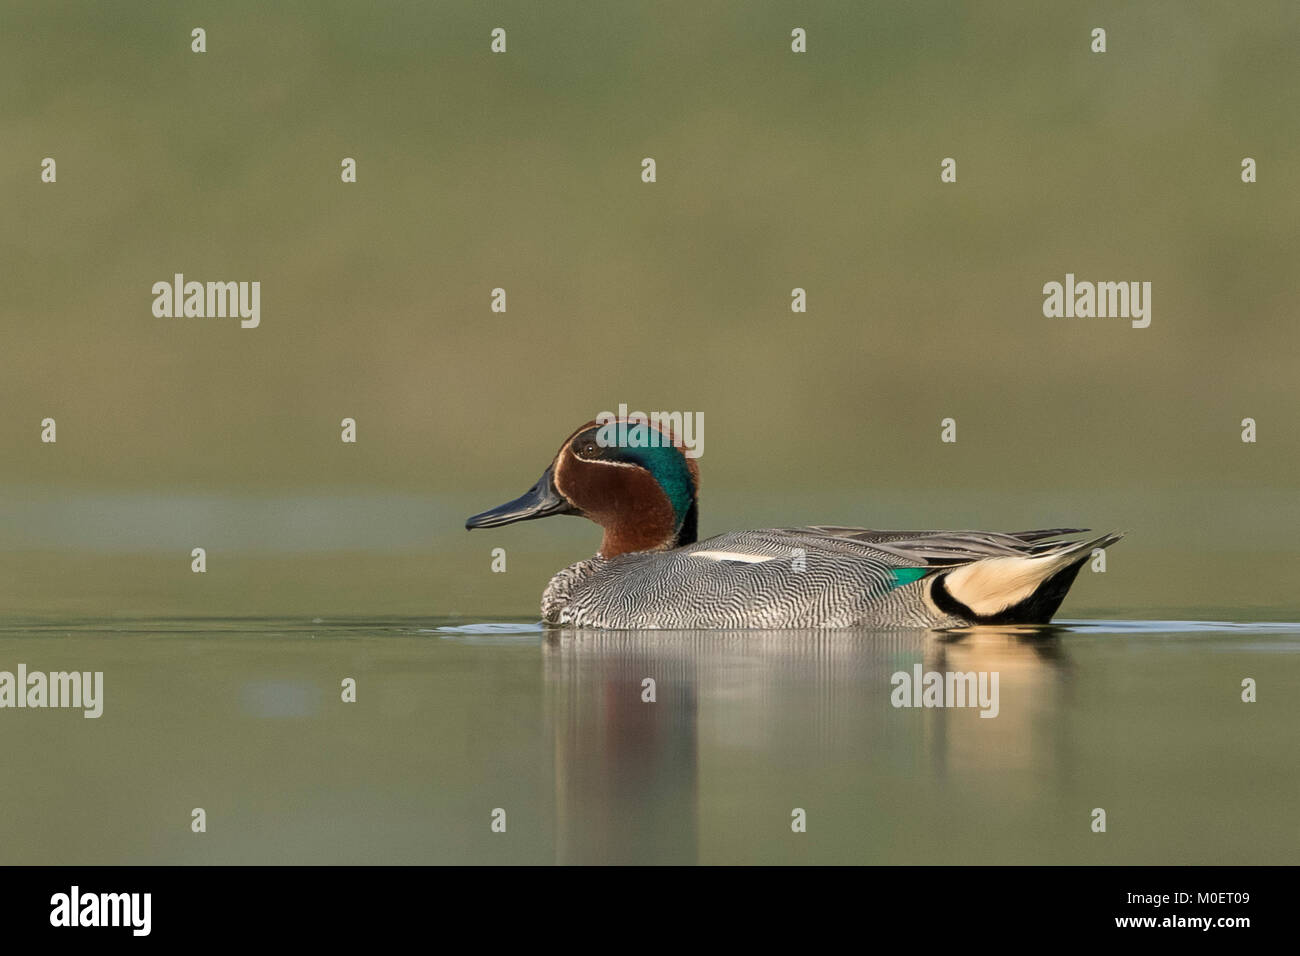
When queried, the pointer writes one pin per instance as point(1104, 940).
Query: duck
point(652, 572)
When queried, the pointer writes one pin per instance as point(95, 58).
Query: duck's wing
point(944, 548)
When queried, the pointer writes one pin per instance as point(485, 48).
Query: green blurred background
point(522, 171)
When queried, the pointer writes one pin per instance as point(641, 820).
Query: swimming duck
point(651, 572)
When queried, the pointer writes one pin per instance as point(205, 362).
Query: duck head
point(633, 482)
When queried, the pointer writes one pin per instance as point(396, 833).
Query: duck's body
point(821, 577)
point(652, 573)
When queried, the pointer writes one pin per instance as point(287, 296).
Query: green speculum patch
point(904, 576)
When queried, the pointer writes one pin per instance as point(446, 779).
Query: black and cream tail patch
point(1013, 589)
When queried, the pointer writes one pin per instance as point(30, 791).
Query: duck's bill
point(540, 500)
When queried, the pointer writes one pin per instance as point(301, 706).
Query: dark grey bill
point(540, 500)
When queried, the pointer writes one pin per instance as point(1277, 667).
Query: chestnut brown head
point(631, 479)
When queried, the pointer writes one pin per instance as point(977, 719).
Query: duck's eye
point(589, 448)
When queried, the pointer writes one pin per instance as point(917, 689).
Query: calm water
point(455, 718)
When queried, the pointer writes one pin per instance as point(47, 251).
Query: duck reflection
point(646, 724)
point(624, 709)
point(1033, 673)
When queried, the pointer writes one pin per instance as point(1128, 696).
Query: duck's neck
point(688, 533)
point(651, 529)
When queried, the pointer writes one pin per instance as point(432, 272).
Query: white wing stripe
point(732, 556)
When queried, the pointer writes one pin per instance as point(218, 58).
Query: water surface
point(456, 718)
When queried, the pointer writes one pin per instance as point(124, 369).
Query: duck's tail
point(1015, 589)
